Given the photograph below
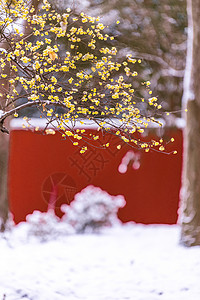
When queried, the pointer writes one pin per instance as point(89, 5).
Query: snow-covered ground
point(130, 261)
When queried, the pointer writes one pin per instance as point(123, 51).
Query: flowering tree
point(64, 64)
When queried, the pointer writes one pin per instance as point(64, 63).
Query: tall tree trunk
point(4, 147)
point(190, 192)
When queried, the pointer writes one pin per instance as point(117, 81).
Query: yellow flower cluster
point(64, 65)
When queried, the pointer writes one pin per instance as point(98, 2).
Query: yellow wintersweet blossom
point(48, 131)
point(73, 80)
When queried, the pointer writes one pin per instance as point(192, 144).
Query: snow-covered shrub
point(46, 225)
point(92, 209)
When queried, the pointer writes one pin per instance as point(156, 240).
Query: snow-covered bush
point(46, 225)
point(92, 209)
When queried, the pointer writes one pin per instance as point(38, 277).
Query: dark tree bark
point(4, 147)
point(190, 193)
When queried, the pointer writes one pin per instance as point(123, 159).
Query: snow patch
point(133, 261)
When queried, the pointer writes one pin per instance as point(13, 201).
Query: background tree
point(190, 193)
point(4, 140)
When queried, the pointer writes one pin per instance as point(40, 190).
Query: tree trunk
point(190, 192)
point(4, 149)
point(4, 146)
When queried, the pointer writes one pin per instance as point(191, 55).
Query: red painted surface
point(46, 171)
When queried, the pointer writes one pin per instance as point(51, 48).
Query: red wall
point(46, 168)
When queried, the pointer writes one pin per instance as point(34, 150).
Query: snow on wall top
point(19, 123)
